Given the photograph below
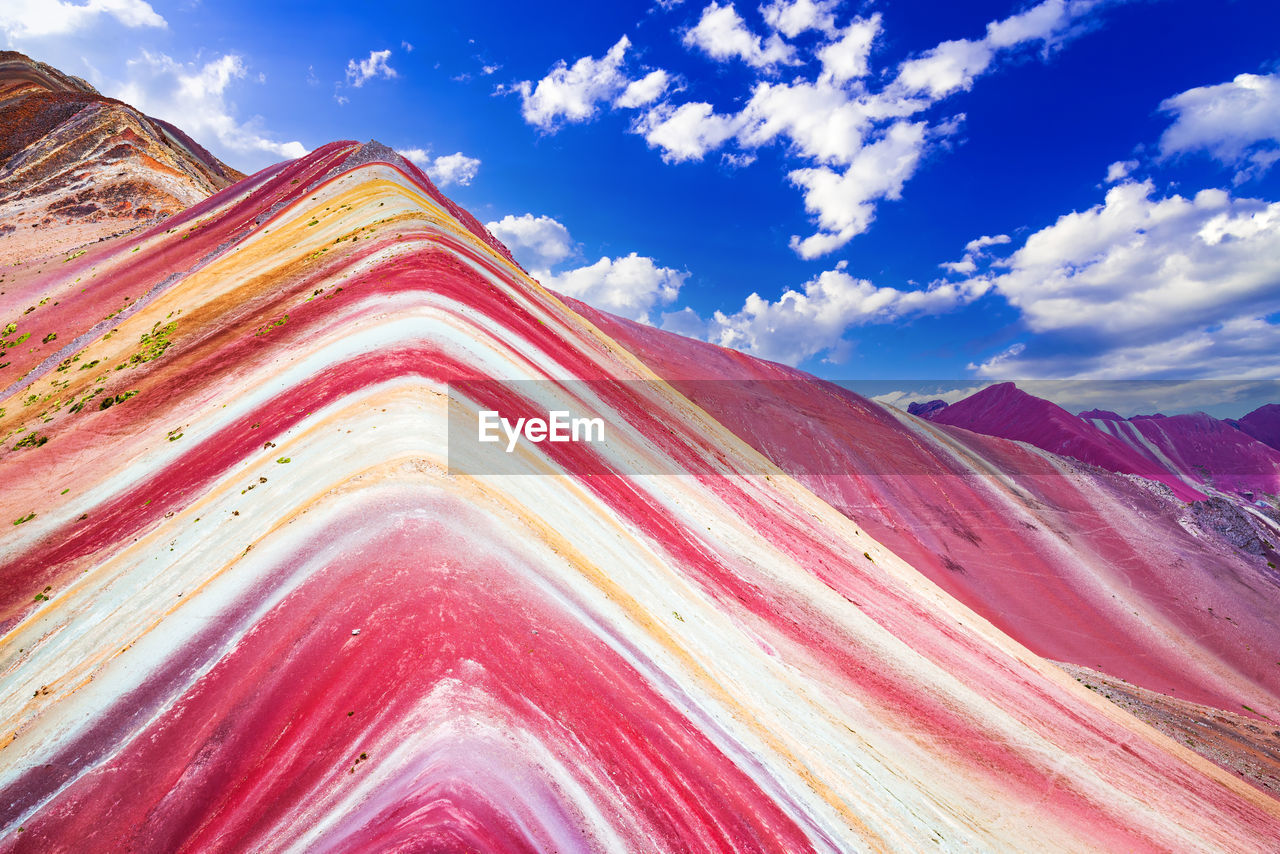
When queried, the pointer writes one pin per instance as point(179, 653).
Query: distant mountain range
point(1185, 452)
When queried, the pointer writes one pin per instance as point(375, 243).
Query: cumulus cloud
point(844, 202)
point(686, 132)
point(195, 99)
point(947, 68)
point(630, 286)
point(1143, 285)
point(1138, 265)
point(644, 91)
point(456, 168)
point(965, 266)
point(980, 243)
point(819, 121)
point(846, 58)
point(1241, 349)
point(377, 65)
point(793, 17)
point(21, 19)
point(814, 320)
point(973, 250)
point(852, 134)
point(575, 93)
point(1236, 123)
point(953, 65)
point(447, 169)
point(857, 144)
point(537, 242)
point(1120, 170)
point(722, 34)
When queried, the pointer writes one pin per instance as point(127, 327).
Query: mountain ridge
point(76, 167)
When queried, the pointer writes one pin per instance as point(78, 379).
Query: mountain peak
point(1263, 424)
point(1007, 411)
point(926, 409)
point(76, 167)
point(1101, 415)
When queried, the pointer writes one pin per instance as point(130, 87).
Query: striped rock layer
point(77, 167)
point(232, 458)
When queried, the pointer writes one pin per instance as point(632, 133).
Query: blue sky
point(895, 190)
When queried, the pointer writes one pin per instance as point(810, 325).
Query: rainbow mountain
point(253, 597)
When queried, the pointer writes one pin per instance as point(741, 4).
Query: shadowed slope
point(1263, 424)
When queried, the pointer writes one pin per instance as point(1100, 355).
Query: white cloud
point(195, 99)
point(1141, 285)
point(445, 170)
point(1237, 123)
point(645, 91)
point(1135, 265)
point(573, 93)
point(947, 68)
point(538, 243)
point(1120, 170)
point(813, 321)
point(686, 132)
point(973, 250)
point(965, 266)
point(722, 34)
point(853, 142)
point(362, 71)
point(846, 58)
point(631, 286)
point(456, 168)
point(980, 243)
point(844, 202)
point(793, 17)
point(952, 65)
point(820, 120)
point(1241, 349)
point(20, 19)
point(835, 120)
point(1051, 22)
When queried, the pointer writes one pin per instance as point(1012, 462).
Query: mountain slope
point(1263, 424)
point(1081, 566)
point(1201, 448)
point(76, 167)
